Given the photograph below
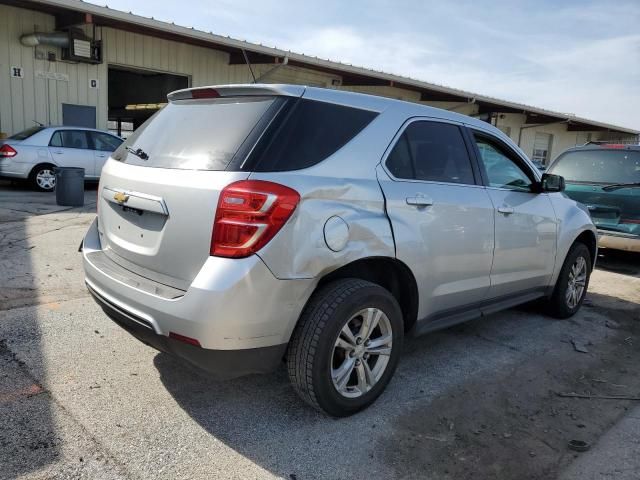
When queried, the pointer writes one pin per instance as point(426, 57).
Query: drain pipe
point(55, 39)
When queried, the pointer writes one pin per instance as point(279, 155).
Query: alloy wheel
point(576, 283)
point(361, 352)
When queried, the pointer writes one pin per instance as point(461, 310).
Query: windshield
point(598, 166)
point(23, 135)
point(194, 134)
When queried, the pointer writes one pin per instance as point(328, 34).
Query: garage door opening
point(135, 95)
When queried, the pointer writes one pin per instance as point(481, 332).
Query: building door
point(78, 115)
point(542, 148)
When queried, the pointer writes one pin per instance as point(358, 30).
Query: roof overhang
point(70, 12)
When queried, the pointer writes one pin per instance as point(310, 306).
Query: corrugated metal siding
point(24, 100)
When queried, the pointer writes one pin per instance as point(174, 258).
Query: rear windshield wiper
point(138, 153)
point(616, 186)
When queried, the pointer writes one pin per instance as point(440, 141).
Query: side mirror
point(552, 183)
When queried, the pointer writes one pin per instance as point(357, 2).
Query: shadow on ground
point(29, 437)
point(453, 422)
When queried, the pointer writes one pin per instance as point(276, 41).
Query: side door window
point(433, 152)
point(103, 142)
point(70, 139)
point(501, 167)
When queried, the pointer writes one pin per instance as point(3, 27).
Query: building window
point(542, 148)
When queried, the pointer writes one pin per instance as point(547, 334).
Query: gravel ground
point(80, 398)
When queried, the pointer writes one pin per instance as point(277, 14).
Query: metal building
point(69, 62)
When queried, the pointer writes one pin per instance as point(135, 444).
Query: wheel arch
point(589, 239)
point(389, 273)
point(41, 164)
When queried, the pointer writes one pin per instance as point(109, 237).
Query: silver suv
point(243, 226)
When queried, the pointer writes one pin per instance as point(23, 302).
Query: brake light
point(635, 221)
point(613, 145)
point(204, 93)
point(7, 151)
point(249, 214)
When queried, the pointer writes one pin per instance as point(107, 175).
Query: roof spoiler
point(221, 91)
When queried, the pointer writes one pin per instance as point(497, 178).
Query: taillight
point(635, 221)
point(249, 214)
point(7, 151)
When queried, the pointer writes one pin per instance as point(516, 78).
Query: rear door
point(442, 218)
point(525, 222)
point(72, 148)
point(103, 145)
point(159, 191)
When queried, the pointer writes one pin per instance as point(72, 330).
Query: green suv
point(606, 178)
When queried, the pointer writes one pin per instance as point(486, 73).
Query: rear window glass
point(599, 166)
point(23, 135)
point(194, 134)
point(307, 133)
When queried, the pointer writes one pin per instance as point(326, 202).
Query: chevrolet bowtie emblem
point(121, 197)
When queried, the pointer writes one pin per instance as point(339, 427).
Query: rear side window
point(194, 134)
point(431, 151)
point(306, 133)
point(23, 135)
point(69, 139)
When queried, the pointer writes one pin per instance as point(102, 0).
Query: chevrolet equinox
point(246, 225)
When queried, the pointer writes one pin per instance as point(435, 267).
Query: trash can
point(69, 186)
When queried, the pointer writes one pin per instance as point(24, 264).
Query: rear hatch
point(159, 191)
point(607, 181)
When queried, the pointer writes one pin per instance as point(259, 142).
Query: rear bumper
point(9, 168)
point(241, 314)
point(619, 241)
point(221, 364)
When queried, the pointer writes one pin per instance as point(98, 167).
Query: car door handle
point(58, 152)
point(505, 210)
point(419, 201)
point(101, 155)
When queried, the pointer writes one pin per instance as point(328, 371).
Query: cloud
point(581, 57)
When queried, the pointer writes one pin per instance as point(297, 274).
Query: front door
point(442, 219)
point(525, 222)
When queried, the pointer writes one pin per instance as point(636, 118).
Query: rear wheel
point(42, 178)
point(346, 346)
point(573, 281)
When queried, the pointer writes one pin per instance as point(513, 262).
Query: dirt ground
point(80, 398)
point(516, 425)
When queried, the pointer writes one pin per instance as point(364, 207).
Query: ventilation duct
point(55, 39)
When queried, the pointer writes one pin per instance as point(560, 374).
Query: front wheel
point(346, 346)
point(573, 281)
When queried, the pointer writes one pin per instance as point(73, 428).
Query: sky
point(577, 57)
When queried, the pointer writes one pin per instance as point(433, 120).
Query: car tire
point(338, 373)
point(41, 178)
point(573, 281)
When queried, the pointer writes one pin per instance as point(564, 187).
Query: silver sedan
point(34, 153)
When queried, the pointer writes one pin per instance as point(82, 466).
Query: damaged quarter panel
point(302, 248)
